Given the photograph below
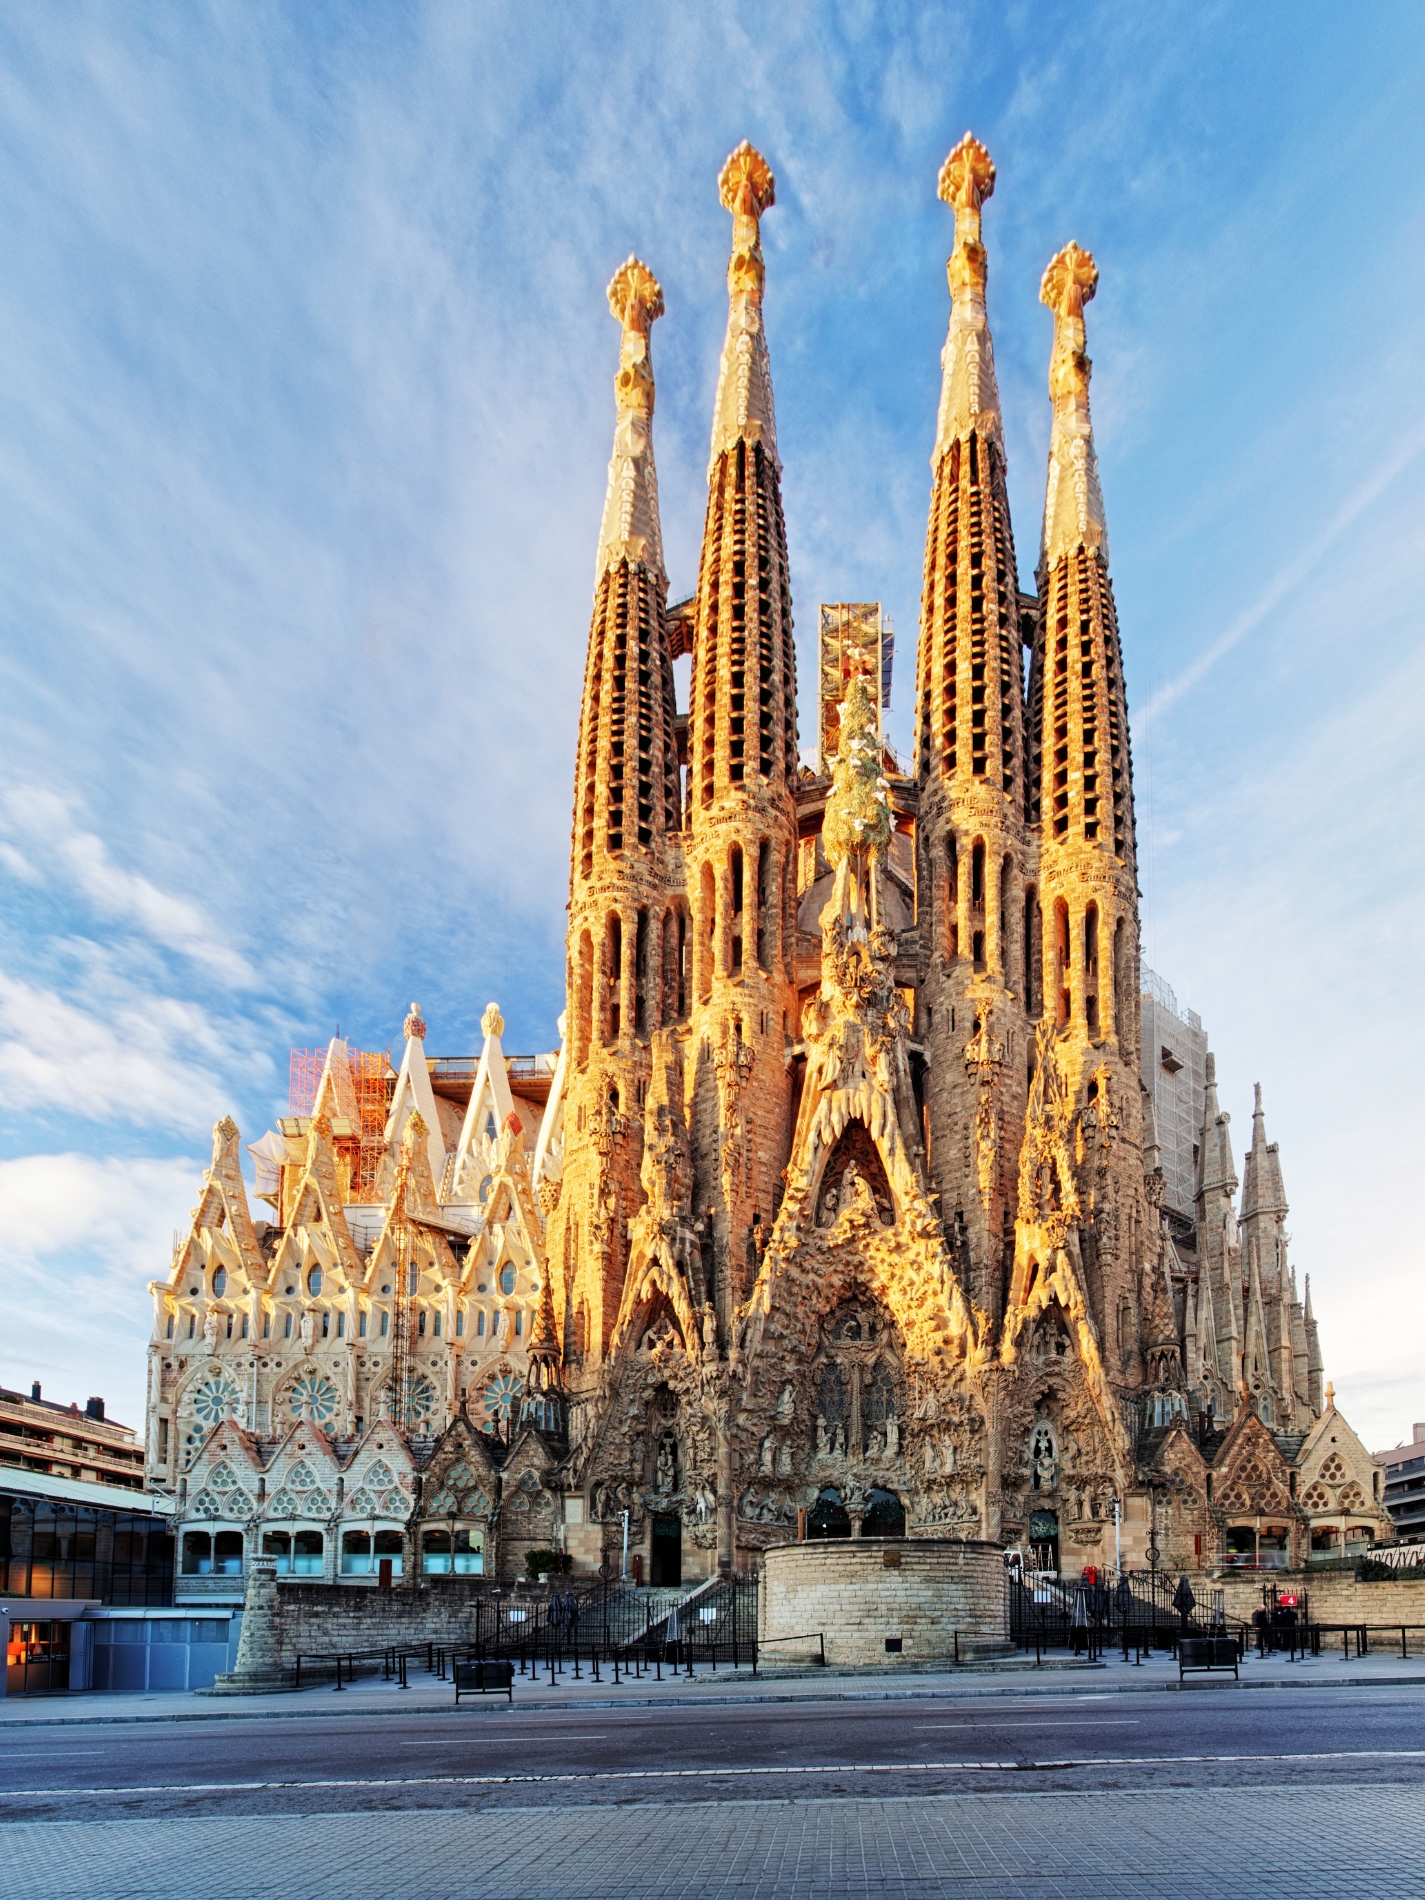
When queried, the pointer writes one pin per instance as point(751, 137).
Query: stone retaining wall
point(866, 1593)
point(1334, 1596)
point(283, 1620)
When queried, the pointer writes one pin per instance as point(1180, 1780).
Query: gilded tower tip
point(969, 397)
point(631, 529)
point(967, 178)
point(636, 300)
point(743, 409)
point(1073, 508)
point(745, 184)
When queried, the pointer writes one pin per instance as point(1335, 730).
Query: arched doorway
point(885, 1515)
point(828, 1517)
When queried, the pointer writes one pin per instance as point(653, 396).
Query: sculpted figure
point(210, 1332)
point(823, 1443)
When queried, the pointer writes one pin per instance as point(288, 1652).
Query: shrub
point(556, 1562)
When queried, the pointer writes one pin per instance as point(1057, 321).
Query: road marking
point(541, 1741)
point(1089, 1721)
point(714, 1774)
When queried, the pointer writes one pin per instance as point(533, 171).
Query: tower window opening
point(734, 866)
point(614, 952)
point(709, 931)
point(1091, 967)
point(644, 988)
point(977, 875)
point(1061, 959)
point(766, 908)
point(1033, 952)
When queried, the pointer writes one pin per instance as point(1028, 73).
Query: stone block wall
point(1334, 1596)
point(862, 1593)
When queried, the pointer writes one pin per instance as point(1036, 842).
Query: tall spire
point(742, 772)
point(627, 789)
point(969, 396)
point(969, 697)
point(743, 409)
point(1080, 776)
point(743, 723)
point(1073, 503)
point(631, 529)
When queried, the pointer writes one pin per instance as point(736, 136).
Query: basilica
point(841, 1208)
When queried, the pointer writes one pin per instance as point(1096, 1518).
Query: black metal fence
point(1135, 1611)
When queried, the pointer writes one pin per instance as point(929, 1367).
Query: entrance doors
point(666, 1551)
point(37, 1658)
point(1044, 1540)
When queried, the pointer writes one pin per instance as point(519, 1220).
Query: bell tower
point(627, 926)
point(980, 994)
point(742, 758)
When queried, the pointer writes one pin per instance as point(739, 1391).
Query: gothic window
point(314, 1282)
point(879, 1395)
point(220, 1281)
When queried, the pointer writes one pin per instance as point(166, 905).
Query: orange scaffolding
point(360, 1097)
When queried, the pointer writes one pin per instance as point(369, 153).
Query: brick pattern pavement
point(1365, 1843)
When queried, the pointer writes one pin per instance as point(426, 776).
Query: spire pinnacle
point(743, 409)
point(631, 527)
point(969, 396)
point(1073, 505)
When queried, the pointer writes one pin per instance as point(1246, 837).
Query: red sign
point(1287, 1602)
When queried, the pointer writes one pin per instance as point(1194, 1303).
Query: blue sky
point(305, 406)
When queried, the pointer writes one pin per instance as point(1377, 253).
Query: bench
point(1199, 1655)
point(484, 1678)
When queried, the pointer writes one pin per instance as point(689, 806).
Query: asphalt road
point(488, 1758)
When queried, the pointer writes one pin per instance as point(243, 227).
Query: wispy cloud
point(45, 822)
point(1309, 558)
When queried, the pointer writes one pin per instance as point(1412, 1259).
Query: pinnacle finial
point(636, 299)
point(492, 1023)
point(743, 407)
point(414, 1025)
point(1073, 503)
point(745, 184)
point(967, 178)
point(1069, 282)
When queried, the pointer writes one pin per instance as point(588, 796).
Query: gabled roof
point(221, 1232)
point(491, 1105)
point(413, 1095)
point(317, 1233)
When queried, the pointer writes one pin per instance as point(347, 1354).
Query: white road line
point(1090, 1721)
point(712, 1774)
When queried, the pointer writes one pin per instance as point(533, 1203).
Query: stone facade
point(840, 1205)
point(884, 1602)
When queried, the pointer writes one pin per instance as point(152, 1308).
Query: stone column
point(259, 1668)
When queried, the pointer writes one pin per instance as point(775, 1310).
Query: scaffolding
point(856, 639)
point(352, 1088)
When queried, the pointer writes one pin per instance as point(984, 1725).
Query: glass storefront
point(53, 1549)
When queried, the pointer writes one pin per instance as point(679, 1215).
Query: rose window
point(215, 1400)
point(501, 1395)
point(313, 1397)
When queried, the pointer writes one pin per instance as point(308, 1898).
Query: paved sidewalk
point(1366, 1843)
point(428, 1695)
